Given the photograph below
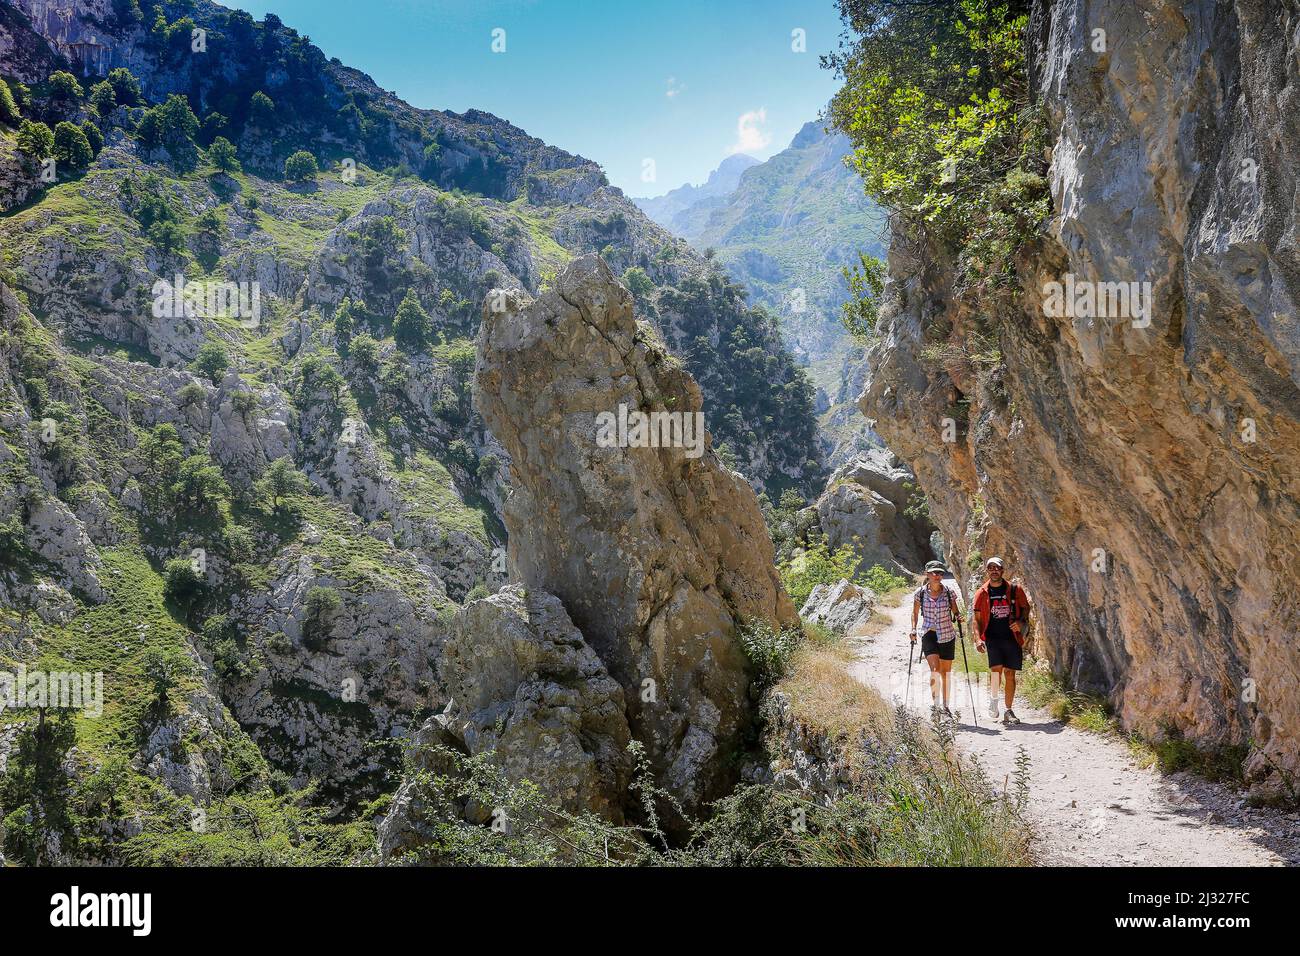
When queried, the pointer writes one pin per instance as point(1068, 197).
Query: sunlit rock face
point(1138, 465)
point(659, 554)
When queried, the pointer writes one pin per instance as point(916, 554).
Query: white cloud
point(674, 87)
point(750, 135)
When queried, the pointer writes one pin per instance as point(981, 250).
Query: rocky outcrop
point(523, 684)
point(805, 759)
point(868, 505)
point(1140, 470)
point(659, 556)
point(842, 607)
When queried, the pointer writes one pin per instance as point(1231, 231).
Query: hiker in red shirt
point(1001, 612)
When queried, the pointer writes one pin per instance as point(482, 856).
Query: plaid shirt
point(936, 612)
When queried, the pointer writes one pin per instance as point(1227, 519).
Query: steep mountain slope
point(1137, 465)
point(666, 209)
point(793, 223)
point(257, 516)
point(786, 231)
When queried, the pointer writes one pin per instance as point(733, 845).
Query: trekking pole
point(907, 694)
point(966, 667)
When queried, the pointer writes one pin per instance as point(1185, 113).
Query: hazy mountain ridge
point(722, 181)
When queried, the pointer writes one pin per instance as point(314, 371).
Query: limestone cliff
point(658, 555)
point(1143, 478)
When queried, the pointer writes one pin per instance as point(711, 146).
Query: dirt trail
point(1090, 803)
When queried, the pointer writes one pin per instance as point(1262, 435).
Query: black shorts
point(930, 645)
point(1006, 652)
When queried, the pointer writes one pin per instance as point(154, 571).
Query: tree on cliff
point(71, 146)
point(35, 139)
point(936, 104)
point(8, 106)
point(300, 167)
point(411, 327)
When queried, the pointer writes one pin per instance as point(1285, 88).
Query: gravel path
point(1090, 804)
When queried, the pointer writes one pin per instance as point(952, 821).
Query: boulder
point(865, 507)
point(843, 607)
point(522, 683)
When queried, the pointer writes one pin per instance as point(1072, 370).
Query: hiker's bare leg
point(944, 668)
point(995, 679)
point(1010, 687)
point(933, 661)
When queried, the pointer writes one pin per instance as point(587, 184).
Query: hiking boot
point(993, 708)
point(1010, 717)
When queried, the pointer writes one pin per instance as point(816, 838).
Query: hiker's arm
point(916, 607)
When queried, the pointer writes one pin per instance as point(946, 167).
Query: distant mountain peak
point(808, 134)
point(733, 165)
point(721, 183)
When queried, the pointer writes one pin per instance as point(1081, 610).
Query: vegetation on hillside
point(911, 800)
point(264, 160)
point(936, 103)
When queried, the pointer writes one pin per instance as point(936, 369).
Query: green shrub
point(93, 136)
point(222, 155)
point(191, 394)
point(103, 98)
point(166, 236)
point(212, 362)
point(882, 580)
point(35, 792)
point(9, 114)
point(261, 109)
point(72, 146)
point(238, 543)
point(171, 126)
point(300, 167)
point(488, 466)
point(319, 611)
point(638, 283)
point(412, 326)
point(65, 88)
point(280, 481)
point(816, 565)
point(768, 650)
point(364, 354)
point(35, 139)
point(936, 104)
point(200, 491)
point(256, 829)
point(125, 86)
point(182, 584)
point(343, 327)
point(214, 124)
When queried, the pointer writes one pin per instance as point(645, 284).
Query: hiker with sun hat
point(935, 604)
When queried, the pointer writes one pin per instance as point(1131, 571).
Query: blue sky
point(595, 76)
